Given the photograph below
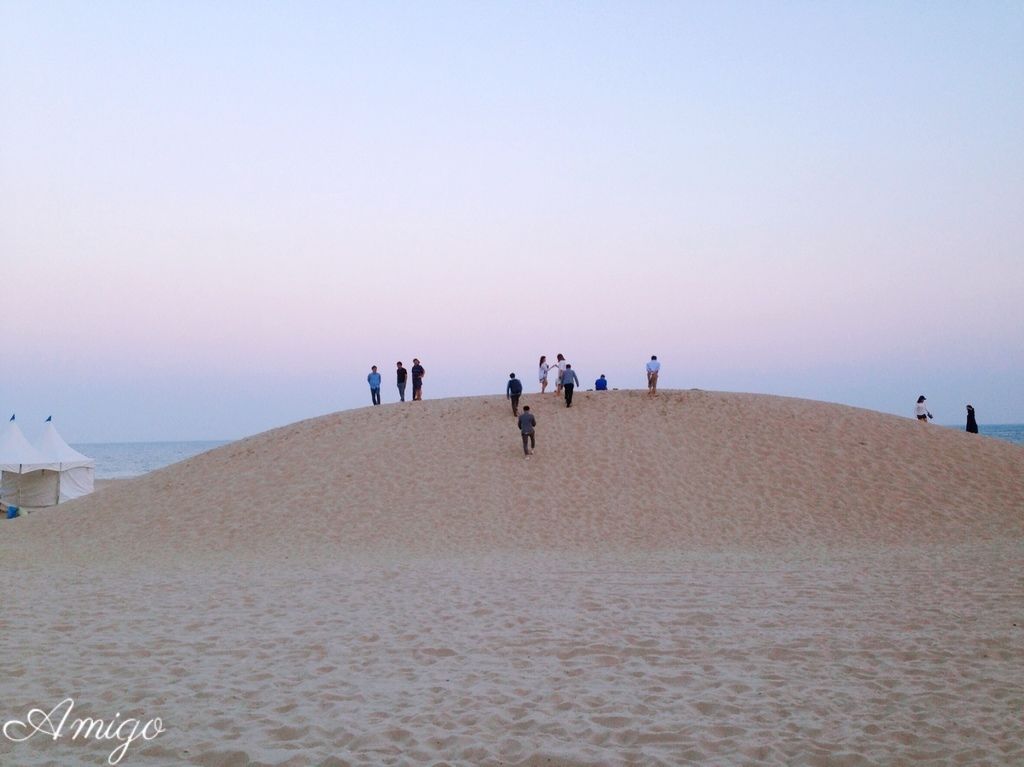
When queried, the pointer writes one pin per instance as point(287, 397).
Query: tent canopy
point(54, 449)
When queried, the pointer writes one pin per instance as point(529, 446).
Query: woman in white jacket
point(921, 411)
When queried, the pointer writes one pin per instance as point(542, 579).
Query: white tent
point(74, 473)
point(44, 474)
point(21, 467)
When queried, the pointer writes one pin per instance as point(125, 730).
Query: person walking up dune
point(561, 364)
point(527, 426)
point(542, 373)
point(513, 391)
point(569, 382)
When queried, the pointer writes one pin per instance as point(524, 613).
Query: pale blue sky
point(214, 217)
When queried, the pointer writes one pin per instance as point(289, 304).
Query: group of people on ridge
point(923, 414)
point(401, 378)
point(565, 383)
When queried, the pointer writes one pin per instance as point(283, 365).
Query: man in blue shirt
point(374, 380)
point(601, 384)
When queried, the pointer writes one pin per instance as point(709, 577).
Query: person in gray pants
point(527, 424)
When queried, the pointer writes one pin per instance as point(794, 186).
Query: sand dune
point(697, 578)
point(618, 472)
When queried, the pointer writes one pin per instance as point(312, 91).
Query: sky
point(215, 216)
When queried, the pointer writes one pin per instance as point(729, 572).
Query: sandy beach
point(696, 578)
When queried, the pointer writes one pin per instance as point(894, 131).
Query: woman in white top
point(921, 411)
point(560, 364)
point(543, 373)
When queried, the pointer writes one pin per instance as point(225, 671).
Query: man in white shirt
point(652, 375)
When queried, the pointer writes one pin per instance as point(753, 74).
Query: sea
point(120, 460)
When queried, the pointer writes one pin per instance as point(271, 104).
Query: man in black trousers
point(569, 382)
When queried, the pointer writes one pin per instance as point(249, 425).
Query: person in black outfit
point(417, 379)
point(972, 425)
point(403, 374)
point(513, 391)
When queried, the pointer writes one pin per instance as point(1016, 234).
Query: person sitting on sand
point(921, 411)
point(601, 384)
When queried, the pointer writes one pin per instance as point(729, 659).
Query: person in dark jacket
point(972, 425)
point(513, 391)
point(402, 377)
point(417, 380)
point(527, 424)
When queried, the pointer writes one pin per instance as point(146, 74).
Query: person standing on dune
point(401, 376)
point(921, 411)
point(417, 380)
point(561, 365)
point(972, 423)
point(652, 375)
point(374, 380)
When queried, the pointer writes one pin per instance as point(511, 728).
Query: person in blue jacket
point(374, 380)
point(601, 384)
point(513, 391)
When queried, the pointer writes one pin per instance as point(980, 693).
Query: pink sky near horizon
point(797, 200)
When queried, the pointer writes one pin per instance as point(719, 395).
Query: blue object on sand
point(12, 512)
